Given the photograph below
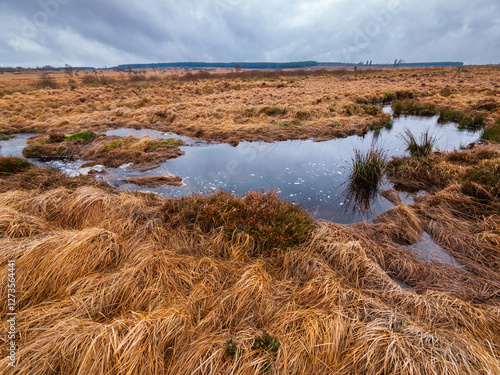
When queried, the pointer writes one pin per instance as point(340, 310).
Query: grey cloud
point(110, 32)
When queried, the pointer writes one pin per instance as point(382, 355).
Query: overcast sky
point(110, 32)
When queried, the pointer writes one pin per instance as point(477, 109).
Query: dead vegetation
point(131, 283)
point(245, 106)
point(155, 181)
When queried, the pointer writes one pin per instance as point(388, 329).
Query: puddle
point(428, 251)
point(15, 146)
point(402, 284)
point(308, 172)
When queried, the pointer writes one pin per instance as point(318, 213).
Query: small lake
point(307, 172)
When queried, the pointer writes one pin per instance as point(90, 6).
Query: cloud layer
point(110, 32)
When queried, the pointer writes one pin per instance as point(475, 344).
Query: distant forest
point(275, 65)
point(239, 65)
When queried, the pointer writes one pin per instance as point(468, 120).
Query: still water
point(307, 172)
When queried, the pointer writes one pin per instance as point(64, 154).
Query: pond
point(307, 172)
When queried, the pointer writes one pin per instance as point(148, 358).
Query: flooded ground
point(307, 172)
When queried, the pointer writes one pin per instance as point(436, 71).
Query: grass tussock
point(366, 172)
point(413, 107)
point(492, 132)
point(420, 148)
point(367, 169)
point(464, 119)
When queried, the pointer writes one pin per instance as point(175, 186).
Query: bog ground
point(112, 282)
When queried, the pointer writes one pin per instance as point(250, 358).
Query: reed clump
point(419, 148)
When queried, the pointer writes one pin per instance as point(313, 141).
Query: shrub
point(270, 221)
point(46, 81)
point(416, 148)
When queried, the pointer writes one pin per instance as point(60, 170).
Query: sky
point(104, 33)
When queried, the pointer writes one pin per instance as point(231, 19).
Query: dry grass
point(233, 108)
point(111, 151)
point(122, 283)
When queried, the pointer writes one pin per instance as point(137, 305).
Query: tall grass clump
point(367, 168)
point(492, 132)
point(365, 174)
point(419, 148)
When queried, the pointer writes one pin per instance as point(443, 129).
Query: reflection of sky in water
point(313, 173)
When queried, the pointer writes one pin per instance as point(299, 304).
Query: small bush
point(492, 132)
point(86, 136)
point(271, 222)
point(416, 148)
point(46, 81)
point(11, 165)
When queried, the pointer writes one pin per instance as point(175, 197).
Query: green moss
point(112, 145)
point(86, 136)
point(171, 142)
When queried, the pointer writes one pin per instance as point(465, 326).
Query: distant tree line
point(242, 65)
